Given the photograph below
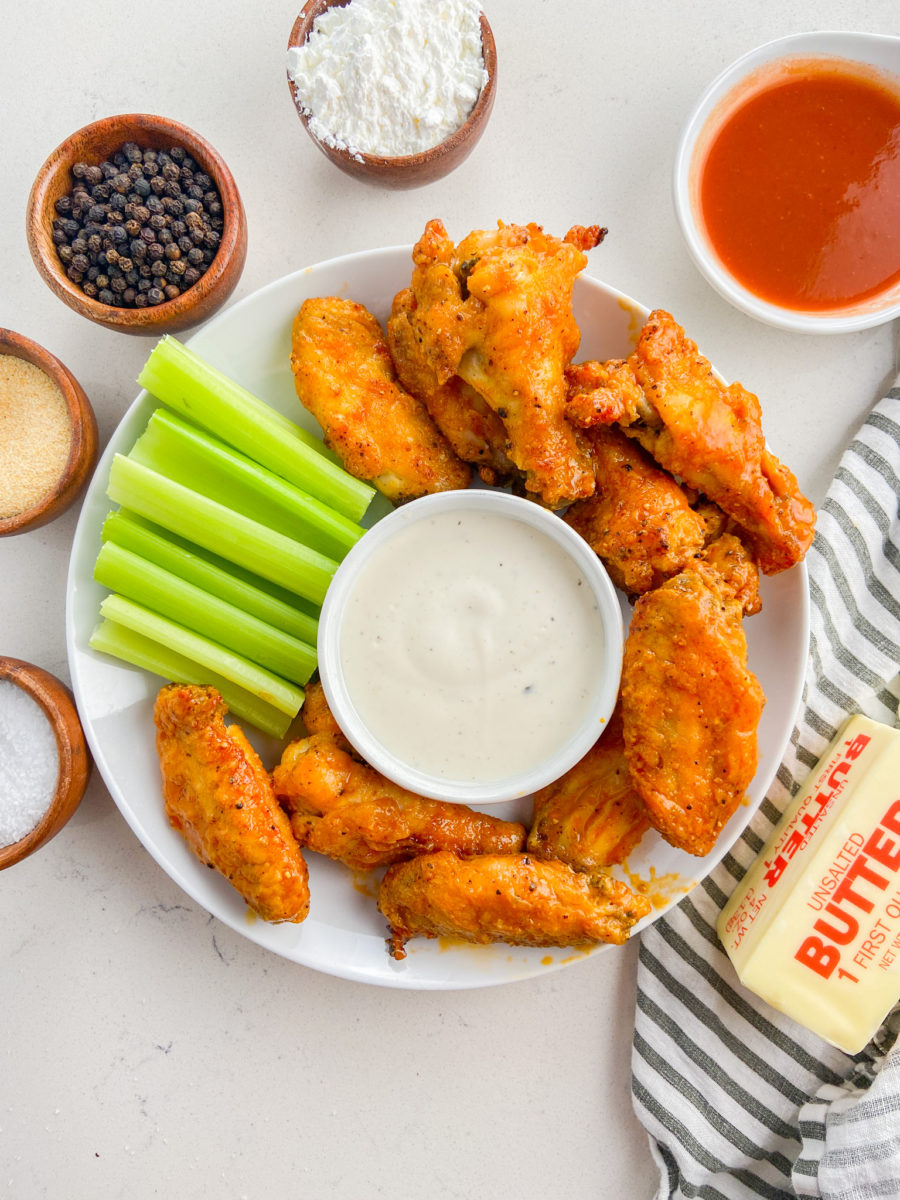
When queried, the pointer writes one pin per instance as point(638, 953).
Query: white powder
point(390, 77)
point(29, 763)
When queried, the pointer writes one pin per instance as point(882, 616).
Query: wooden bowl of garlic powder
point(48, 435)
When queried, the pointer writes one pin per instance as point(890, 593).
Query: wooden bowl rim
point(75, 762)
point(121, 128)
point(300, 32)
point(83, 448)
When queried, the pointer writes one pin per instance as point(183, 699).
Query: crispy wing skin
point(513, 898)
point(601, 393)
point(728, 555)
point(592, 817)
point(690, 707)
point(639, 521)
point(472, 428)
point(497, 310)
point(318, 717)
point(344, 809)
point(344, 375)
point(708, 435)
point(220, 798)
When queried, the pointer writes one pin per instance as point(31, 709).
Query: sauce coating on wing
point(667, 397)
point(343, 808)
point(219, 797)
point(497, 311)
point(639, 521)
point(690, 707)
point(592, 817)
point(513, 898)
point(344, 376)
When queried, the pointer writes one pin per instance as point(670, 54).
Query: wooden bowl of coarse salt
point(48, 435)
point(391, 92)
point(44, 761)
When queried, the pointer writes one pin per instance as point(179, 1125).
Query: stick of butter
point(814, 925)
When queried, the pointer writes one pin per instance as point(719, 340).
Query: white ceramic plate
point(344, 934)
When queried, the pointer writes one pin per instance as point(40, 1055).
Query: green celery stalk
point(140, 651)
point(138, 579)
point(181, 379)
point(201, 462)
point(284, 696)
point(220, 529)
point(189, 563)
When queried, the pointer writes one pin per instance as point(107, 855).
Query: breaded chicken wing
point(344, 809)
point(513, 898)
point(472, 428)
point(737, 567)
point(318, 717)
point(690, 707)
point(219, 797)
point(344, 376)
point(639, 521)
point(667, 397)
point(592, 817)
point(497, 310)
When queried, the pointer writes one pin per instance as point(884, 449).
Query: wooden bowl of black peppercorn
point(148, 194)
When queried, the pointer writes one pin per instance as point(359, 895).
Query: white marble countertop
point(146, 1049)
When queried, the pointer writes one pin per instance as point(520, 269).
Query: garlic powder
point(389, 77)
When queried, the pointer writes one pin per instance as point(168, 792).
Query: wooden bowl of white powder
point(48, 435)
point(394, 92)
point(44, 761)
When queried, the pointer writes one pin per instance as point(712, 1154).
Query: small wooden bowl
point(410, 170)
point(74, 760)
point(83, 450)
point(93, 144)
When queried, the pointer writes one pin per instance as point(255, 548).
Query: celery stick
point(132, 532)
point(262, 683)
point(220, 529)
point(183, 381)
point(199, 461)
point(137, 579)
point(264, 585)
point(112, 638)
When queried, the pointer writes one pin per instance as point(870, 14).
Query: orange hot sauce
point(800, 188)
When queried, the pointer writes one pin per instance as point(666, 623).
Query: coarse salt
point(389, 77)
point(29, 763)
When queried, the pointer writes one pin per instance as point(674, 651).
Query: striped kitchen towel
point(740, 1101)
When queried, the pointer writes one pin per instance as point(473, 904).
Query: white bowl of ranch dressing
point(470, 646)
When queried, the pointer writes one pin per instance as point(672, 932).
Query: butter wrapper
point(814, 926)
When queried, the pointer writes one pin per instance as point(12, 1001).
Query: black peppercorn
point(138, 228)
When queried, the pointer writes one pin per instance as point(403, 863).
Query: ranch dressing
point(470, 645)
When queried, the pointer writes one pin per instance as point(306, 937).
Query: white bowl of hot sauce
point(787, 182)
